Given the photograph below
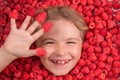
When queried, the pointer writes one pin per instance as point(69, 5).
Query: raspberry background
point(101, 49)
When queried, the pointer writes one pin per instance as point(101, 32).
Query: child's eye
point(71, 42)
point(49, 43)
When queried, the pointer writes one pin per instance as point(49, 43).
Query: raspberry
point(41, 17)
point(31, 11)
point(40, 52)
point(18, 7)
point(47, 26)
point(85, 70)
point(13, 14)
point(17, 73)
point(81, 62)
point(102, 57)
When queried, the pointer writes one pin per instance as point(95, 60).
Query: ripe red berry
point(13, 14)
point(47, 26)
point(31, 11)
point(41, 17)
point(17, 73)
point(81, 62)
point(40, 52)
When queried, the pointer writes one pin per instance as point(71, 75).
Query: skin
point(63, 42)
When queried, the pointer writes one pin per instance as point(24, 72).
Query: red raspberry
point(31, 11)
point(99, 38)
point(90, 2)
point(85, 45)
point(17, 73)
point(85, 70)
point(25, 76)
point(102, 76)
point(97, 71)
point(18, 7)
point(92, 66)
point(108, 67)
point(13, 14)
point(29, 1)
point(111, 24)
point(44, 73)
point(110, 59)
point(75, 1)
point(106, 50)
point(40, 52)
point(27, 67)
point(81, 62)
point(116, 63)
point(79, 75)
point(38, 77)
point(47, 26)
point(68, 77)
point(41, 17)
point(101, 65)
point(92, 57)
point(109, 35)
point(102, 57)
point(76, 70)
point(104, 16)
point(91, 25)
point(15, 1)
point(53, 78)
point(97, 19)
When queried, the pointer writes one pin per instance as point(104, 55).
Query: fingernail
point(41, 17)
point(40, 52)
point(47, 26)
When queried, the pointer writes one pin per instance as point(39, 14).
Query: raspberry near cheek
point(40, 52)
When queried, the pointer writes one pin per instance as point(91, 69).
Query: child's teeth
point(59, 62)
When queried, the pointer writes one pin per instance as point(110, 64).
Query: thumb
point(38, 52)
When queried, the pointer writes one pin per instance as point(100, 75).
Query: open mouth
point(60, 62)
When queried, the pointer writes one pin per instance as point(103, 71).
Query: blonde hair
point(58, 12)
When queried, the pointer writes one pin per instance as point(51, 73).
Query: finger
point(30, 53)
point(13, 24)
point(33, 27)
point(37, 34)
point(25, 23)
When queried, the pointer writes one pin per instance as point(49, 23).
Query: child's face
point(63, 45)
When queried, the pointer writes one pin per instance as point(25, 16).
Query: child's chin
point(60, 73)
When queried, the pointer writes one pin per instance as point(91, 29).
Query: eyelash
point(71, 42)
point(49, 42)
point(66, 42)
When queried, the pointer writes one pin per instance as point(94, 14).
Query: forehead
point(62, 28)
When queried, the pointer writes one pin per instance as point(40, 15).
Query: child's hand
point(19, 41)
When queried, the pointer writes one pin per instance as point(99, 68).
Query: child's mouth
point(60, 62)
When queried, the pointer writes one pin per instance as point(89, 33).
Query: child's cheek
point(49, 51)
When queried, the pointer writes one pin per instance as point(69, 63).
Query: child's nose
point(60, 49)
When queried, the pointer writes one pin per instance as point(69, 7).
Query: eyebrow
point(73, 39)
point(66, 39)
point(44, 39)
